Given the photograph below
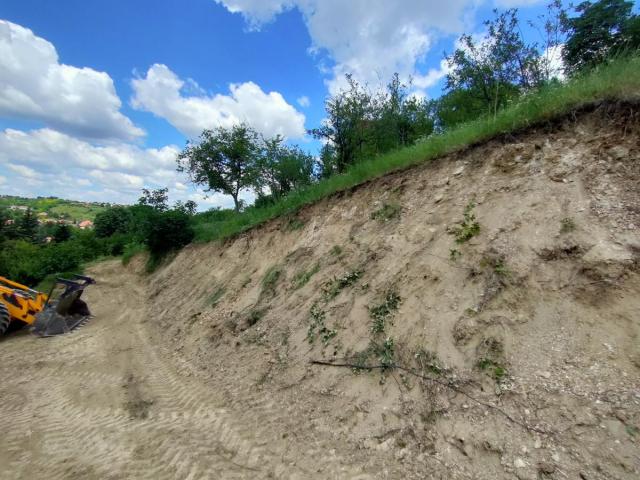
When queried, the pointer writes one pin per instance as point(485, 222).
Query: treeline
point(485, 76)
point(29, 251)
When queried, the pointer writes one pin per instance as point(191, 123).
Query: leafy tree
point(223, 161)
point(498, 67)
point(189, 207)
point(456, 107)
point(400, 119)
point(61, 233)
point(328, 161)
point(157, 199)
point(113, 220)
point(281, 168)
point(602, 29)
point(28, 225)
point(347, 123)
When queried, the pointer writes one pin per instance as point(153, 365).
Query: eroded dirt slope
point(524, 336)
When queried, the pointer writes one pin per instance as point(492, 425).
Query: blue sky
point(98, 97)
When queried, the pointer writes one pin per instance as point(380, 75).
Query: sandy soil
point(520, 349)
point(103, 403)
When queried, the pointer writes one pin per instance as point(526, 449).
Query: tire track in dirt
point(102, 403)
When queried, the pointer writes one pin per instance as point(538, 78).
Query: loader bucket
point(67, 311)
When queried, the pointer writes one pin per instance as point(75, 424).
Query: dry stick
point(439, 382)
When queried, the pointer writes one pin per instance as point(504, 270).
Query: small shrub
point(454, 254)
point(387, 212)
point(336, 251)
point(380, 313)
point(271, 279)
point(302, 278)
point(386, 353)
point(495, 370)
point(567, 225)
point(332, 288)
point(469, 227)
point(317, 327)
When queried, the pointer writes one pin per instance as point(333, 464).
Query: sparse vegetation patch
point(567, 225)
point(468, 228)
point(387, 212)
point(332, 288)
point(302, 278)
point(383, 312)
point(318, 328)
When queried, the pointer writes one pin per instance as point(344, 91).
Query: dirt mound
point(504, 279)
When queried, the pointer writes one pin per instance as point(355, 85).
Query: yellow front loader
point(55, 313)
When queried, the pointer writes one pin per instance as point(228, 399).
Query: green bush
point(168, 231)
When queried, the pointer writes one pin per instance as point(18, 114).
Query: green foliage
point(454, 254)
point(332, 288)
point(294, 224)
point(61, 233)
point(336, 251)
point(131, 250)
point(494, 70)
point(167, 231)
point(386, 353)
point(156, 199)
point(225, 160)
point(28, 225)
point(113, 220)
point(302, 278)
point(567, 225)
point(271, 278)
point(317, 327)
point(55, 208)
point(495, 370)
point(281, 168)
point(601, 30)
point(381, 313)
point(387, 212)
point(360, 124)
point(468, 228)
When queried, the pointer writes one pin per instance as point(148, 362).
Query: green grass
point(302, 278)
point(130, 251)
point(619, 80)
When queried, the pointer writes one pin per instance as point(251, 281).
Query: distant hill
point(54, 207)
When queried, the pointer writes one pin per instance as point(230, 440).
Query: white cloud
point(304, 101)
point(371, 39)
point(46, 162)
point(162, 92)
point(34, 85)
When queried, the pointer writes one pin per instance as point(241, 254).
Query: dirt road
point(102, 403)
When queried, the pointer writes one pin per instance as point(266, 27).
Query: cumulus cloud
point(72, 167)
point(163, 93)
point(34, 85)
point(371, 39)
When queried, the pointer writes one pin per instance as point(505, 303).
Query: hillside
point(517, 345)
point(57, 208)
point(473, 317)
